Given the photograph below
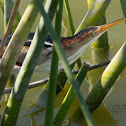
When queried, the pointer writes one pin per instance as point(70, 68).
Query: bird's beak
point(105, 27)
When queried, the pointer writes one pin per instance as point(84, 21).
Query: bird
point(73, 47)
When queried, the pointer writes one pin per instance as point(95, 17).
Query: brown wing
point(3, 52)
point(44, 55)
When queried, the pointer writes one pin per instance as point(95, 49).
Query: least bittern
point(73, 46)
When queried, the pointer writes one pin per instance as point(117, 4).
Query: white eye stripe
point(29, 40)
point(49, 44)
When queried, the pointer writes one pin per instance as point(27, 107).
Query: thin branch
point(99, 65)
point(31, 85)
point(95, 66)
point(44, 81)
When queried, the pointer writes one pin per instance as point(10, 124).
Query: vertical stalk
point(69, 16)
point(8, 5)
point(53, 72)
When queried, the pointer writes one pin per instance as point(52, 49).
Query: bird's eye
point(93, 33)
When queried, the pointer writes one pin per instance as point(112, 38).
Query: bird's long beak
point(105, 27)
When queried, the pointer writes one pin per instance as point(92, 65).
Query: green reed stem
point(8, 5)
point(65, 64)
point(94, 14)
point(108, 78)
point(102, 42)
point(53, 72)
point(123, 4)
point(68, 100)
point(69, 16)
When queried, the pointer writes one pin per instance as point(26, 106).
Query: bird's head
point(87, 35)
point(97, 31)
